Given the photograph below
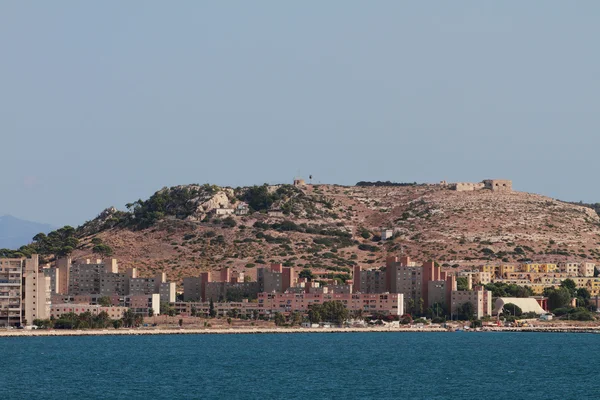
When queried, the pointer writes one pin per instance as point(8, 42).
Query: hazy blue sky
point(102, 103)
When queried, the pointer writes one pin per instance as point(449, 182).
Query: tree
point(211, 309)
point(103, 250)
point(511, 309)
point(436, 311)
point(462, 283)
point(558, 298)
point(151, 312)
point(420, 305)
point(166, 309)
point(570, 285)
point(96, 241)
point(105, 301)
point(279, 319)
point(229, 222)
point(466, 311)
point(306, 274)
point(295, 318)
point(500, 289)
point(330, 311)
point(194, 311)
point(583, 297)
point(314, 315)
point(358, 314)
point(102, 320)
point(410, 306)
point(128, 319)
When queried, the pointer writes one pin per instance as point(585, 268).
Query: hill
point(15, 232)
point(332, 228)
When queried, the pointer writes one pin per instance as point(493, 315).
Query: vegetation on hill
point(386, 183)
point(61, 242)
point(175, 202)
point(327, 229)
point(593, 206)
point(262, 198)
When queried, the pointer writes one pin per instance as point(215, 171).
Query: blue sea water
point(303, 366)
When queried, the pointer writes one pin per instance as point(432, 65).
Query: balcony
point(10, 282)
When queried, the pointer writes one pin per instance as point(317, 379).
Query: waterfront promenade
point(267, 330)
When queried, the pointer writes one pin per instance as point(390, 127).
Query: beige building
point(24, 291)
point(63, 267)
point(58, 310)
point(569, 268)
point(11, 281)
point(168, 292)
point(85, 277)
point(498, 185)
point(587, 269)
point(480, 299)
point(37, 292)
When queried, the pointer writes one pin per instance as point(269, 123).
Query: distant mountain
point(15, 232)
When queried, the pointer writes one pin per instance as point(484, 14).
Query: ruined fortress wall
point(466, 186)
point(496, 185)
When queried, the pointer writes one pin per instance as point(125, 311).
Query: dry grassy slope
point(431, 223)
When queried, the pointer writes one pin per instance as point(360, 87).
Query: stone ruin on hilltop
point(495, 185)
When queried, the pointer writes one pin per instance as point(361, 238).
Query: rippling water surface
point(303, 366)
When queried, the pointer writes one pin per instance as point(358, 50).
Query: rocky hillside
point(332, 228)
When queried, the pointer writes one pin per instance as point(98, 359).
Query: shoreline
point(250, 331)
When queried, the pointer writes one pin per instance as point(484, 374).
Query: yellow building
point(548, 268)
point(530, 268)
point(507, 269)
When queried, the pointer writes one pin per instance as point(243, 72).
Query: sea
point(387, 365)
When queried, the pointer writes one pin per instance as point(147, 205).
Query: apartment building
point(222, 309)
point(569, 268)
point(58, 310)
point(193, 289)
point(369, 280)
point(480, 299)
point(37, 294)
point(54, 275)
point(25, 291)
point(382, 303)
point(140, 304)
point(587, 269)
point(269, 280)
point(167, 292)
point(85, 277)
point(103, 278)
point(401, 275)
point(11, 290)
point(221, 291)
point(231, 284)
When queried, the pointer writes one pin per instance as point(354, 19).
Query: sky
point(103, 103)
